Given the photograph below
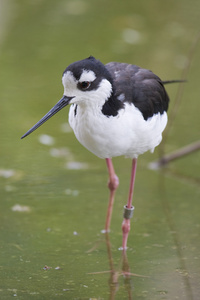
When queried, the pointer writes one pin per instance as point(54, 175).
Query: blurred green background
point(53, 192)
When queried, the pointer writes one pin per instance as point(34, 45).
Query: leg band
point(128, 212)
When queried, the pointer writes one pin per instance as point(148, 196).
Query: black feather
point(140, 86)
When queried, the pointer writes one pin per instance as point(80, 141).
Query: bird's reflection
point(115, 273)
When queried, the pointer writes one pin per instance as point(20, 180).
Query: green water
point(54, 197)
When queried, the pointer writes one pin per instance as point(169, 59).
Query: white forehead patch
point(68, 78)
point(87, 75)
point(69, 83)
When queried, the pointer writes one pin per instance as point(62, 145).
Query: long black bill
point(64, 101)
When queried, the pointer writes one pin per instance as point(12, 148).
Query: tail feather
point(173, 81)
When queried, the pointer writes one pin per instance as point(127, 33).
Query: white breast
point(125, 134)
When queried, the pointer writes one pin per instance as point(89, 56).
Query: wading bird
point(116, 109)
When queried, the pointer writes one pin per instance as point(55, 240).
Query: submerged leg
point(128, 209)
point(112, 185)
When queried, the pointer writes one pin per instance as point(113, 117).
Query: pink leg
point(112, 185)
point(129, 208)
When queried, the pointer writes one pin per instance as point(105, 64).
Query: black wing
point(138, 86)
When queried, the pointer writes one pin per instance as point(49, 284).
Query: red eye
point(84, 85)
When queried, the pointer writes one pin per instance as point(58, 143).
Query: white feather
point(125, 134)
point(87, 75)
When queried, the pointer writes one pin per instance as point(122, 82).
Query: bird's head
point(84, 81)
point(87, 80)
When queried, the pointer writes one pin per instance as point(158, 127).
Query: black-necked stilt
point(116, 109)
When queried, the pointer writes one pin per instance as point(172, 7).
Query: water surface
point(53, 191)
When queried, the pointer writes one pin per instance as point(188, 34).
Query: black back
point(139, 86)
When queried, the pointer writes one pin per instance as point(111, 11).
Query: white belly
point(125, 134)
